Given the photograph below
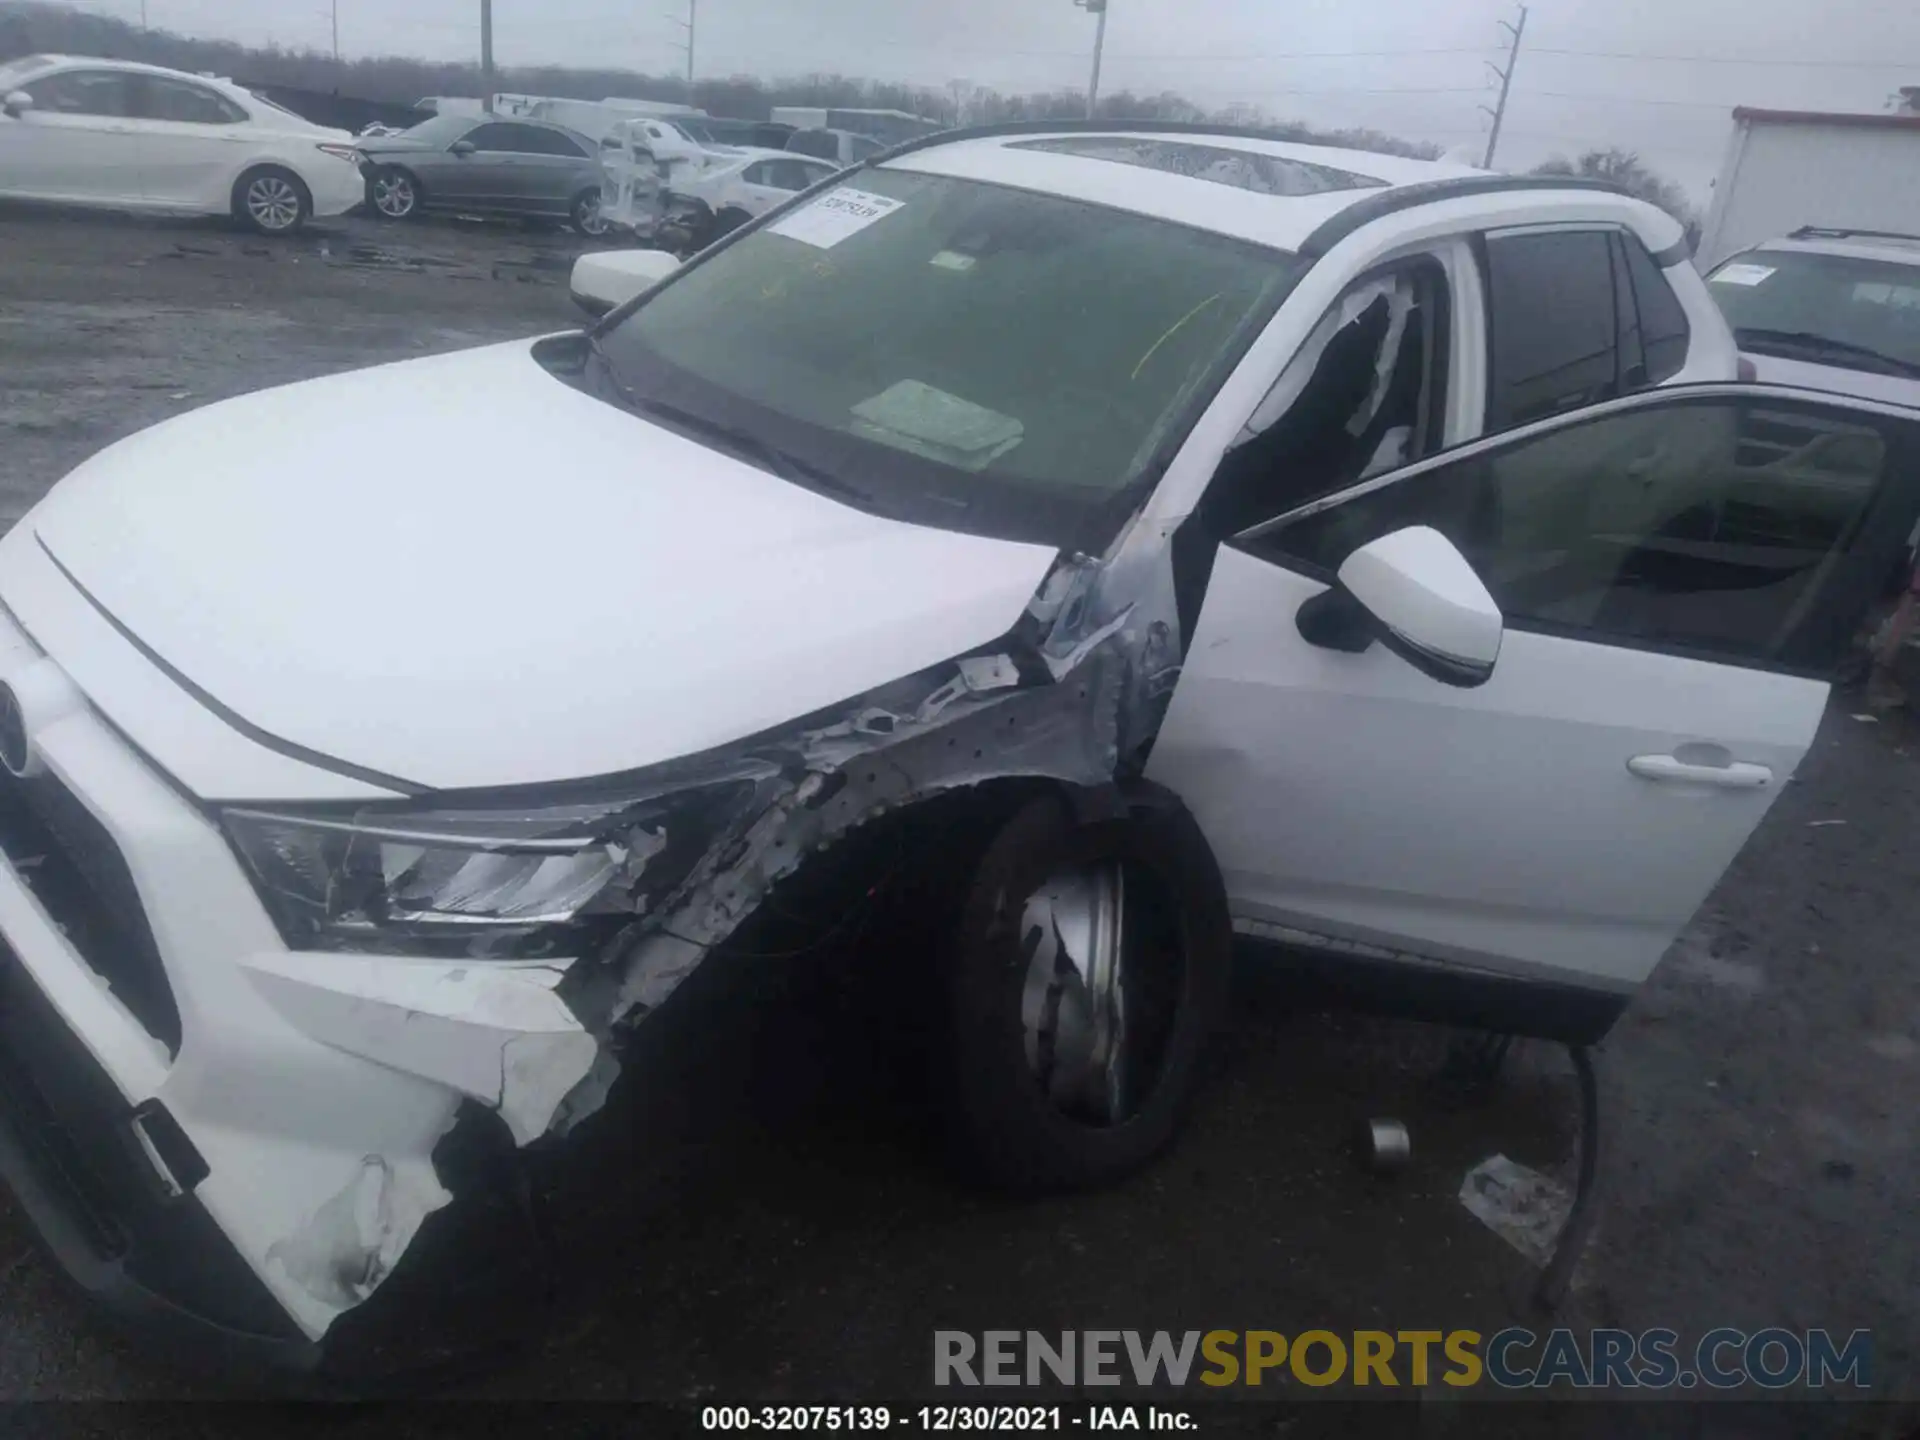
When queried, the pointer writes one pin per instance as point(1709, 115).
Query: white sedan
point(122, 136)
point(736, 191)
point(701, 208)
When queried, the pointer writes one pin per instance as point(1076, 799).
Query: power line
point(1625, 99)
point(1729, 59)
point(1391, 90)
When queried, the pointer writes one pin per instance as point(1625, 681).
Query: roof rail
point(1361, 212)
point(1838, 232)
point(1425, 192)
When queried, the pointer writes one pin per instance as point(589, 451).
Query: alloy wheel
point(393, 196)
point(273, 202)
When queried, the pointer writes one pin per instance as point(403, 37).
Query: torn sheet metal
point(1073, 695)
point(1062, 732)
point(352, 1241)
point(491, 1030)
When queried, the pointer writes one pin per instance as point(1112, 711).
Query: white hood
point(1778, 370)
point(462, 572)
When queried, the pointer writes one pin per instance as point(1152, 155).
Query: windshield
point(956, 353)
point(1787, 302)
point(14, 70)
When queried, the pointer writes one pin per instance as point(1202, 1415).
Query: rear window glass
point(1242, 169)
point(1553, 326)
point(1663, 324)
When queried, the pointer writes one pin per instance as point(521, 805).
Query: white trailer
point(595, 119)
point(1789, 168)
point(890, 127)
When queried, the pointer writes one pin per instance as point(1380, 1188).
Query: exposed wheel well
point(909, 865)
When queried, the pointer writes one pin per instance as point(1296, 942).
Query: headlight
point(482, 881)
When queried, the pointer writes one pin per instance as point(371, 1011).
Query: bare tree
point(1626, 170)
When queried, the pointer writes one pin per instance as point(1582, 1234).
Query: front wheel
point(395, 194)
point(586, 216)
point(1087, 968)
point(271, 200)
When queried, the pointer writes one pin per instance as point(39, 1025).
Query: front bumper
point(232, 1145)
point(337, 187)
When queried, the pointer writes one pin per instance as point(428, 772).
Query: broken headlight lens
point(482, 882)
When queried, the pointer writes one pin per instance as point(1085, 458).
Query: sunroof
point(1242, 169)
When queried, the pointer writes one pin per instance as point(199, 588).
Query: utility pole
point(486, 55)
point(1506, 84)
point(1099, 8)
point(336, 32)
point(690, 25)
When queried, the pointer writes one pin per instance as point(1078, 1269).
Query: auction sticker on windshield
point(1741, 274)
point(832, 218)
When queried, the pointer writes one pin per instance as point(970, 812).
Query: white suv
point(1829, 309)
point(1136, 538)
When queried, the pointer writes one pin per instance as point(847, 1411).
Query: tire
point(395, 194)
point(584, 215)
point(272, 201)
point(1005, 1082)
point(728, 221)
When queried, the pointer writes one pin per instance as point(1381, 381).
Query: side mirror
point(17, 103)
point(1416, 594)
point(462, 148)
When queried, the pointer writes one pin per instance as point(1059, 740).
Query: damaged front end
point(549, 933)
point(433, 993)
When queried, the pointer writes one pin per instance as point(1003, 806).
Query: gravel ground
point(773, 1222)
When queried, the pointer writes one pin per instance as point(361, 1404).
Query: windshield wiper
point(744, 444)
point(1824, 344)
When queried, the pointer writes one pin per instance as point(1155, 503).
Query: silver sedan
point(481, 165)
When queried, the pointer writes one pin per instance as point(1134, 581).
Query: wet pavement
point(771, 1219)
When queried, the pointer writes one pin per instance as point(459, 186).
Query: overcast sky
point(1656, 76)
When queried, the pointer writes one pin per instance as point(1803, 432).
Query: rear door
point(1680, 572)
point(79, 142)
point(556, 168)
point(194, 139)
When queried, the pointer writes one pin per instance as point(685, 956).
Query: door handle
point(1735, 775)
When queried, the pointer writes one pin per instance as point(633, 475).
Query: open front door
point(1679, 572)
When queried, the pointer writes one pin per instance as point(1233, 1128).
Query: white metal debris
point(1523, 1207)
